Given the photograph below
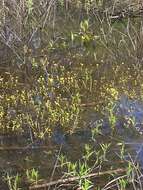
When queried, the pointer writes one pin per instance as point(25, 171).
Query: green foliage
point(13, 181)
point(80, 169)
point(32, 175)
point(29, 6)
point(105, 147)
point(123, 184)
point(88, 152)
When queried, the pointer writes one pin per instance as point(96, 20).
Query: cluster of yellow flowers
point(113, 92)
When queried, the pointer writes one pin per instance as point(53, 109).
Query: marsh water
point(106, 75)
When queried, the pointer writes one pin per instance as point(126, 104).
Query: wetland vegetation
point(71, 94)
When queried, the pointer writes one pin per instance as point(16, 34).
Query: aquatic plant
point(29, 6)
point(32, 175)
point(13, 181)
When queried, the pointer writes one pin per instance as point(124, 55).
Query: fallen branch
point(72, 179)
point(16, 148)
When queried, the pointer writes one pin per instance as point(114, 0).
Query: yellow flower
point(113, 92)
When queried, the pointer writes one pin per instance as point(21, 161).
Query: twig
point(16, 148)
point(127, 14)
point(72, 179)
point(88, 104)
point(51, 178)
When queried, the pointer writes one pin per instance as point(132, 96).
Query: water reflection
point(131, 109)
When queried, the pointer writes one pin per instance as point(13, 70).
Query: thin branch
point(72, 179)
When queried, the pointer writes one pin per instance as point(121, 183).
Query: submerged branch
point(17, 148)
point(73, 179)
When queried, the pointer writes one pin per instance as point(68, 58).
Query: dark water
point(42, 154)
